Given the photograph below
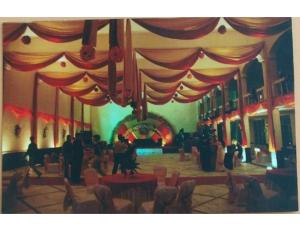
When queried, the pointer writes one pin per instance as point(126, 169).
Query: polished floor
point(207, 198)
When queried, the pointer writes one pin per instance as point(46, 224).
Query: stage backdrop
point(105, 119)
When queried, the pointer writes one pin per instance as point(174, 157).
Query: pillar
point(56, 113)
point(225, 137)
point(34, 108)
point(277, 128)
point(268, 80)
point(82, 117)
point(72, 117)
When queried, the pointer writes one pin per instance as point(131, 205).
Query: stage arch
point(154, 127)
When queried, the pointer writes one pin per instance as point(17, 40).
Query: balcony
point(256, 97)
point(283, 86)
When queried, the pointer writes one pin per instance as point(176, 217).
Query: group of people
point(73, 155)
point(212, 151)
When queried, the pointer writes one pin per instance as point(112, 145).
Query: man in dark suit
point(32, 152)
point(77, 159)
point(67, 151)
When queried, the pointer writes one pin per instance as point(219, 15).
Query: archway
point(154, 127)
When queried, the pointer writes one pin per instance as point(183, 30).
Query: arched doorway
point(154, 127)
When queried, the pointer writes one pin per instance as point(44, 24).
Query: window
point(259, 134)
point(286, 130)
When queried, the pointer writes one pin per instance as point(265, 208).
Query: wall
point(105, 119)
point(17, 92)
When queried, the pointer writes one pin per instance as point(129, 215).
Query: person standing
point(77, 159)
point(32, 152)
point(67, 151)
point(220, 157)
point(98, 151)
point(120, 153)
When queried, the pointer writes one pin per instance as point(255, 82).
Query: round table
point(137, 188)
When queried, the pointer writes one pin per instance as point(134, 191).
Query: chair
point(259, 198)
point(184, 199)
point(53, 167)
point(196, 154)
point(160, 172)
point(85, 204)
point(181, 154)
point(91, 178)
point(173, 181)
point(108, 204)
point(10, 193)
point(163, 198)
point(237, 193)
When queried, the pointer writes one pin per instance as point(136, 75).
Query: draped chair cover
point(184, 198)
point(259, 27)
point(34, 61)
point(53, 31)
point(179, 28)
point(108, 204)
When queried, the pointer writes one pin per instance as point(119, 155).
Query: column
point(225, 137)
point(82, 117)
point(241, 110)
point(277, 128)
point(268, 80)
point(56, 112)
point(34, 108)
point(72, 117)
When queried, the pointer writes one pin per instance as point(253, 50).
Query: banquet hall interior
point(148, 115)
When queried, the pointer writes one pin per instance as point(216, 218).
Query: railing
point(282, 87)
point(254, 98)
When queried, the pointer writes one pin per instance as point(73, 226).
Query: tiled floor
point(49, 199)
point(206, 198)
point(171, 161)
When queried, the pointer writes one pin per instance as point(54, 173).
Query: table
point(284, 180)
point(137, 188)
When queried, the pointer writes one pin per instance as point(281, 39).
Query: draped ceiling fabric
point(34, 61)
point(259, 27)
point(192, 28)
point(184, 59)
point(53, 31)
point(179, 28)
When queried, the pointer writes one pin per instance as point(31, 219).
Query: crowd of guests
point(78, 154)
point(212, 150)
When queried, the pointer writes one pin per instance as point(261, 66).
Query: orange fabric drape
point(34, 61)
point(78, 92)
point(234, 55)
point(100, 101)
point(197, 87)
point(12, 31)
point(128, 69)
point(252, 108)
point(58, 79)
point(214, 76)
point(160, 76)
point(178, 59)
point(53, 31)
point(179, 28)
point(163, 89)
point(184, 59)
point(259, 27)
point(285, 100)
point(30, 61)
